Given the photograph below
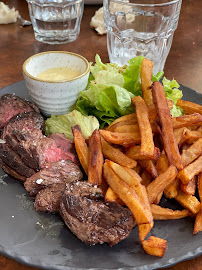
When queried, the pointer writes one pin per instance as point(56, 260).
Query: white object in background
point(7, 15)
point(97, 22)
point(93, 2)
point(55, 97)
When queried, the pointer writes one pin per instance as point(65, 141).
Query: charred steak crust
point(91, 218)
point(12, 160)
point(54, 173)
point(48, 199)
point(21, 130)
point(24, 122)
point(11, 105)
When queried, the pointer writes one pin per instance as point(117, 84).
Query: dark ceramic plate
point(42, 240)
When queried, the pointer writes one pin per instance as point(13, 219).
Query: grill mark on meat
point(11, 105)
point(13, 161)
point(60, 172)
point(90, 218)
point(13, 173)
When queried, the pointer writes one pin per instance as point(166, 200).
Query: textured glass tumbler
point(56, 21)
point(140, 27)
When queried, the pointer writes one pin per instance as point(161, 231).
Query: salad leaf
point(176, 111)
point(173, 93)
point(105, 96)
point(158, 76)
point(172, 90)
point(132, 79)
point(110, 89)
point(63, 124)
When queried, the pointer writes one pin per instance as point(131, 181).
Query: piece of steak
point(91, 218)
point(12, 160)
point(54, 173)
point(48, 199)
point(20, 133)
point(62, 142)
point(11, 105)
point(23, 134)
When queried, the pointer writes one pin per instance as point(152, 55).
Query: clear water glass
point(56, 21)
point(140, 27)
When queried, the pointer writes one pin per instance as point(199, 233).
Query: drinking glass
point(56, 21)
point(140, 27)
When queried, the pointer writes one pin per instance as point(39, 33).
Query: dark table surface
point(184, 63)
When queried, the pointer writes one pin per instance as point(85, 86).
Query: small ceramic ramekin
point(55, 97)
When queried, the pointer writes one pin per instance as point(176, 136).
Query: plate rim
point(170, 262)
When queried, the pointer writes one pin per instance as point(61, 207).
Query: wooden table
point(184, 63)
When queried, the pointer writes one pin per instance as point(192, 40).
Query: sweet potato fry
point(146, 77)
point(132, 179)
point(190, 154)
point(187, 120)
point(128, 196)
point(81, 147)
point(96, 159)
point(144, 229)
point(189, 188)
point(112, 197)
point(147, 143)
point(134, 152)
point(189, 107)
point(149, 167)
point(120, 138)
point(190, 171)
point(155, 246)
point(189, 202)
point(160, 213)
point(163, 112)
point(160, 183)
point(116, 155)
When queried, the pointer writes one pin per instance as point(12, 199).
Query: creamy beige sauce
point(58, 74)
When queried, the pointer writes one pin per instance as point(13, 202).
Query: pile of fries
point(144, 155)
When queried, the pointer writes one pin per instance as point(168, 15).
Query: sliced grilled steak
point(62, 142)
point(11, 105)
point(13, 173)
point(30, 148)
point(48, 199)
point(20, 133)
point(64, 171)
point(11, 160)
point(90, 218)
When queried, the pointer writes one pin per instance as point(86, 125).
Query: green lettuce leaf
point(63, 124)
point(173, 93)
point(172, 90)
point(132, 78)
point(176, 111)
point(110, 89)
